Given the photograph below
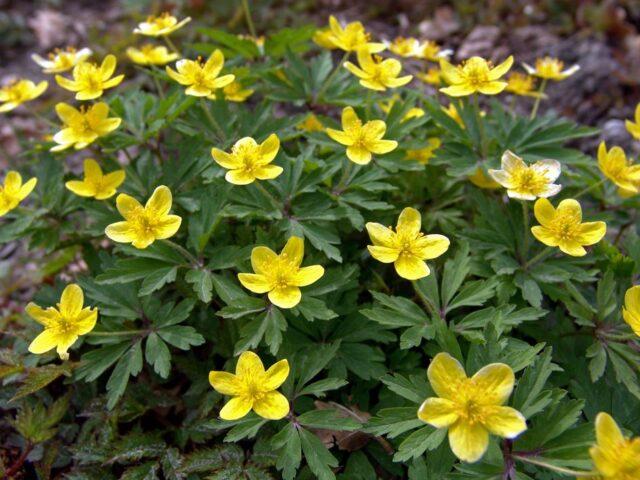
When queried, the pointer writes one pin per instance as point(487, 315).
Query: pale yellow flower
point(90, 80)
point(160, 25)
point(452, 111)
point(406, 47)
point(150, 54)
point(60, 61)
point(252, 388)
point(423, 155)
point(234, 92)
point(475, 75)
point(471, 408)
point(527, 182)
point(361, 140)
point(143, 225)
point(249, 161)
point(18, 92)
point(634, 127)
point(549, 68)
point(481, 180)
point(406, 247)
point(563, 227)
point(433, 52)
point(377, 74)
point(201, 79)
point(523, 85)
point(84, 126)
point(615, 456)
point(311, 124)
point(95, 183)
point(350, 38)
point(14, 191)
point(281, 276)
point(62, 324)
point(615, 166)
point(432, 77)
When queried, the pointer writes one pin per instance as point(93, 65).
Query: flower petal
point(571, 208)
point(276, 375)
point(468, 442)
point(383, 254)
point(438, 412)
point(225, 383)
point(126, 205)
point(160, 201)
point(249, 366)
point(236, 408)
point(544, 211)
point(44, 342)
point(167, 227)
point(505, 422)
point(272, 405)
point(285, 297)
point(71, 301)
point(431, 246)
point(43, 316)
point(263, 259)
point(269, 149)
point(120, 232)
point(358, 155)
point(380, 235)
point(411, 267)
point(494, 383)
point(592, 232)
point(293, 251)
point(445, 375)
point(409, 222)
point(307, 275)
point(254, 282)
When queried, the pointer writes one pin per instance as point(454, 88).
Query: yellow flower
point(62, 324)
point(563, 227)
point(252, 388)
point(311, 124)
point(234, 92)
point(527, 182)
point(201, 79)
point(91, 80)
point(452, 111)
point(481, 180)
point(249, 161)
point(634, 127)
point(615, 456)
point(432, 77)
point(280, 275)
point(474, 75)
point(521, 84)
point(407, 247)
point(549, 68)
point(150, 54)
point(631, 309)
point(431, 51)
point(84, 126)
point(13, 191)
point(423, 155)
point(361, 140)
point(160, 25)
point(144, 225)
point(471, 408)
point(60, 61)
point(615, 166)
point(18, 92)
point(95, 183)
point(377, 74)
point(350, 38)
point(406, 47)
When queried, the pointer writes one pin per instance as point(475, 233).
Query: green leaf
point(202, 283)
point(158, 279)
point(287, 442)
point(318, 458)
point(329, 419)
point(129, 364)
point(39, 377)
point(426, 438)
point(180, 336)
point(157, 354)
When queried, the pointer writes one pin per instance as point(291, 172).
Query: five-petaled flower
point(475, 75)
point(234, 92)
point(280, 275)
point(90, 80)
point(252, 388)
point(527, 182)
point(350, 38)
point(549, 68)
point(424, 154)
point(377, 74)
point(617, 168)
point(201, 78)
point(249, 161)
point(480, 179)
point(521, 84)
point(84, 126)
point(563, 227)
point(144, 225)
point(60, 61)
point(18, 92)
point(163, 24)
point(615, 456)
point(633, 127)
point(14, 191)
point(407, 47)
point(150, 54)
point(631, 309)
point(407, 248)
point(62, 324)
point(361, 140)
point(471, 408)
point(95, 183)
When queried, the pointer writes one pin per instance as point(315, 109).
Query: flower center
point(528, 180)
point(471, 412)
point(565, 226)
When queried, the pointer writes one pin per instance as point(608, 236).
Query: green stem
point(120, 333)
point(215, 125)
point(425, 301)
point(346, 173)
point(170, 44)
point(330, 78)
point(483, 146)
point(555, 468)
point(272, 199)
point(540, 256)
point(534, 110)
point(183, 251)
point(157, 82)
point(247, 16)
point(588, 189)
point(525, 222)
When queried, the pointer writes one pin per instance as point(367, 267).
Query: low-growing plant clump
point(317, 255)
